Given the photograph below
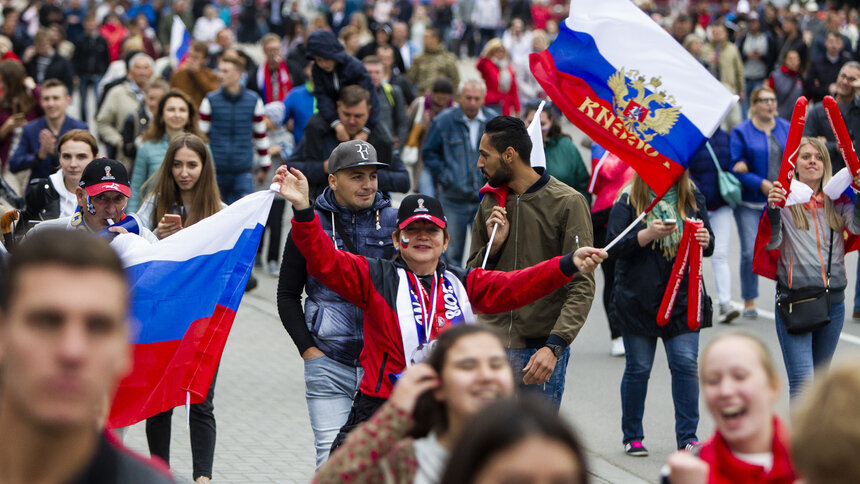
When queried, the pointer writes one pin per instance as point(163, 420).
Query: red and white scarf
point(265, 80)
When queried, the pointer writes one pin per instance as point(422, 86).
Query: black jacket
point(319, 141)
point(641, 276)
point(91, 56)
point(822, 72)
point(58, 68)
point(818, 125)
point(348, 70)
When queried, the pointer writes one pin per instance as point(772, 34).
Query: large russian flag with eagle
point(626, 83)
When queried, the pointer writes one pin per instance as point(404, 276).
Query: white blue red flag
point(180, 41)
point(186, 290)
point(629, 86)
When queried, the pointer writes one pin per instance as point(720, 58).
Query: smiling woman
point(740, 384)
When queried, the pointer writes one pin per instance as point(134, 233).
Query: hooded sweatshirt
point(348, 70)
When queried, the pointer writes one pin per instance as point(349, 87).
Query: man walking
point(542, 218)
point(328, 332)
point(232, 117)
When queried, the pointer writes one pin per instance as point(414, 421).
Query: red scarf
point(725, 468)
point(265, 79)
point(688, 250)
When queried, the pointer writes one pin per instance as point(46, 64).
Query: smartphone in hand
point(670, 221)
point(174, 219)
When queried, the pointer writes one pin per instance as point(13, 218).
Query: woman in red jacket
point(499, 76)
point(751, 445)
point(408, 301)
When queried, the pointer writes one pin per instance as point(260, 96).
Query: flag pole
point(490, 244)
point(633, 224)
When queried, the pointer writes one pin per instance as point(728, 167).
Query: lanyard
point(424, 316)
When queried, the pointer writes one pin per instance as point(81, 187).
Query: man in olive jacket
point(542, 218)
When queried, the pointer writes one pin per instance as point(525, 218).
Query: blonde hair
point(640, 195)
point(492, 45)
point(798, 213)
point(826, 427)
point(761, 351)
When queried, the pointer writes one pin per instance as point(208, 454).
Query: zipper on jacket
point(516, 258)
point(381, 372)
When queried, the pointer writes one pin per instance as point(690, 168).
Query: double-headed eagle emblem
point(646, 114)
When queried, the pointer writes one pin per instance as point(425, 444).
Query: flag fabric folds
point(180, 41)
point(186, 290)
point(633, 89)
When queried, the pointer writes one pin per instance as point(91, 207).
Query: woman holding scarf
point(408, 301)
point(645, 263)
point(802, 234)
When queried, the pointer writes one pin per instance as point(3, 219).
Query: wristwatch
point(557, 350)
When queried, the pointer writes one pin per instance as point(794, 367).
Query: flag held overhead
point(633, 89)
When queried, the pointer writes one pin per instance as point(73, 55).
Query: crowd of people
point(425, 359)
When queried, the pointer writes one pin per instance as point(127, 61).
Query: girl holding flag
point(650, 300)
point(802, 235)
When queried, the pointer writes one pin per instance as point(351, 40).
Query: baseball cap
point(352, 153)
point(420, 207)
point(105, 175)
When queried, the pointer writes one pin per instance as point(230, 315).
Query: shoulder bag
point(730, 186)
point(808, 308)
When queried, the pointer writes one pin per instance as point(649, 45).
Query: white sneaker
point(617, 347)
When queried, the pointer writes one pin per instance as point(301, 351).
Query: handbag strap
point(829, 257)
point(714, 157)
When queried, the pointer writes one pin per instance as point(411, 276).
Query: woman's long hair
point(431, 414)
point(503, 425)
point(157, 128)
point(15, 99)
point(167, 197)
point(640, 195)
point(798, 213)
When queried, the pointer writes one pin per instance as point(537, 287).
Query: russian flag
point(633, 89)
point(186, 290)
point(180, 41)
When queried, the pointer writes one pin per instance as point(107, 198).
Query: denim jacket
point(450, 156)
point(334, 323)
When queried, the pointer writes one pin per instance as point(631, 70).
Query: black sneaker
point(635, 448)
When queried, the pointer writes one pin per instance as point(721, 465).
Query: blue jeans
point(234, 186)
point(857, 290)
point(330, 387)
point(682, 352)
point(808, 352)
point(460, 216)
point(747, 220)
point(553, 389)
point(426, 184)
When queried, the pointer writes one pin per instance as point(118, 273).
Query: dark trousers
point(598, 223)
point(363, 407)
point(202, 425)
point(274, 224)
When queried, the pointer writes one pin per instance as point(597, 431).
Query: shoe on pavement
point(727, 314)
point(750, 313)
point(856, 315)
point(252, 283)
point(274, 268)
point(617, 347)
point(692, 447)
point(635, 448)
